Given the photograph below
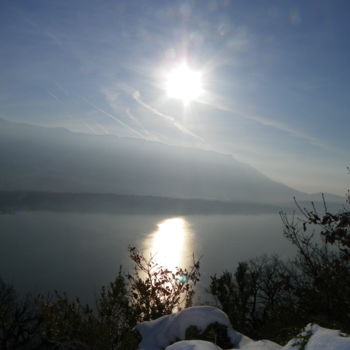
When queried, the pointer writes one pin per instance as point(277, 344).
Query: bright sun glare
point(184, 84)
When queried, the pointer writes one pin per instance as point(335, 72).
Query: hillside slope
point(52, 159)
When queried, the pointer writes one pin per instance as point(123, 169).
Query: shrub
point(156, 291)
point(19, 321)
point(215, 333)
point(257, 296)
point(323, 263)
point(266, 292)
point(150, 292)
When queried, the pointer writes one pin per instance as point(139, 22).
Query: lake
point(78, 253)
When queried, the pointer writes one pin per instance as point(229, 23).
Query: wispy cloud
point(294, 17)
point(39, 28)
point(54, 96)
point(136, 96)
point(293, 132)
point(113, 117)
point(137, 121)
point(220, 104)
point(99, 110)
point(91, 128)
point(104, 130)
point(69, 115)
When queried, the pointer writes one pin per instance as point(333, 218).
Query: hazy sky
point(275, 74)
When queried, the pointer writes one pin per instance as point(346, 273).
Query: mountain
point(36, 158)
point(12, 202)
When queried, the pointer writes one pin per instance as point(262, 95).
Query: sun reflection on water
point(170, 243)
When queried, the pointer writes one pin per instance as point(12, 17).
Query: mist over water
point(78, 253)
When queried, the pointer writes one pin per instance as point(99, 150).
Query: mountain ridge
point(55, 159)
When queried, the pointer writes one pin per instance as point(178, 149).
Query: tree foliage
point(19, 321)
point(149, 292)
point(70, 324)
point(265, 297)
point(256, 296)
point(155, 290)
point(323, 263)
point(265, 293)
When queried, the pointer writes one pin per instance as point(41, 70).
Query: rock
point(315, 337)
point(158, 334)
point(261, 345)
point(192, 345)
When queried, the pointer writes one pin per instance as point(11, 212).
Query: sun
point(184, 84)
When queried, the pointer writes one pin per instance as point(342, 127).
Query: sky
point(275, 75)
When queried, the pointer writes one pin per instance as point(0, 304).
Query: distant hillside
point(16, 201)
point(13, 202)
point(55, 160)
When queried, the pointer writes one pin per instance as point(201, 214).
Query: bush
point(323, 264)
point(19, 321)
point(156, 291)
point(215, 333)
point(257, 296)
point(150, 292)
point(265, 293)
point(72, 325)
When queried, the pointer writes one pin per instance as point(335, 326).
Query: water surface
point(77, 253)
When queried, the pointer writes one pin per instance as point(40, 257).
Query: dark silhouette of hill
point(13, 202)
point(43, 159)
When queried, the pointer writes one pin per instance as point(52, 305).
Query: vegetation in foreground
point(264, 298)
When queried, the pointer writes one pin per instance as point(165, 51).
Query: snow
point(244, 340)
point(193, 345)
point(168, 333)
point(261, 345)
point(158, 334)
point(320, 339)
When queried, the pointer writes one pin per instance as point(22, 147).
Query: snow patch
point(261, 345)
point(158, 334)
point(168, 333)
point(319, 338)
point(193, 345)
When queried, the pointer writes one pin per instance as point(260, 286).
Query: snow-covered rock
point(192, 345)
point(158, 334)
point(204, 345)
point(261, 345)
point(315, 337)
point(168, 332)
point(244, 340)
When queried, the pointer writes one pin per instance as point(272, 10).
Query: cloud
point(136, 120)
point(294, 17)
point(54, 96)
point(221, 105)
point(91, 128)
point(117, 120)
point(70, 115)
point(112, 97)
point(293, 132)
point(136, 96)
